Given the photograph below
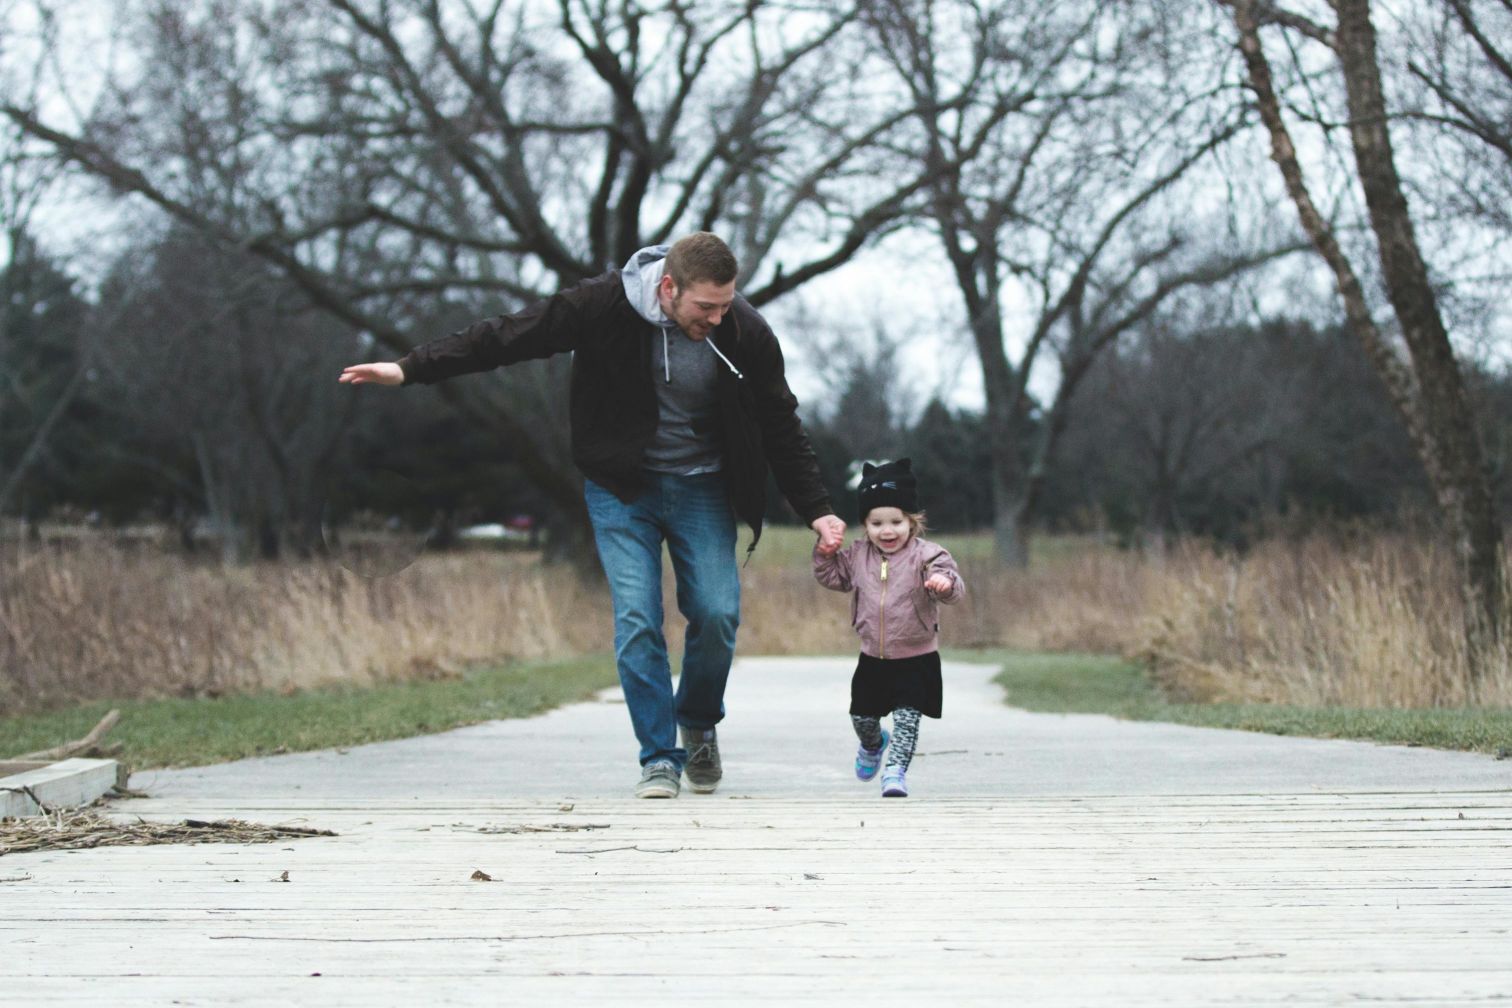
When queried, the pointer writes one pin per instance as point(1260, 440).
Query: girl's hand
point(831, 532)
point(939, 584)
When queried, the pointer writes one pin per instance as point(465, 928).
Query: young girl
point(895, 578)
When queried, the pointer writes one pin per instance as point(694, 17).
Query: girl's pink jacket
point(891, 610)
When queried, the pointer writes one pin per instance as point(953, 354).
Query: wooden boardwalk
point(1317, 899)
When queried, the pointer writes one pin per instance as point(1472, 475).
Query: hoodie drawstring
point(712, 346)
point(667, 357)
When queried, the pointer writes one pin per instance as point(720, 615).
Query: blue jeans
point(692, 514)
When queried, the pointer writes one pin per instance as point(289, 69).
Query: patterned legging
point(905, 734)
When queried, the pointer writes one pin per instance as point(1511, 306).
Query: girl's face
point(887, 528)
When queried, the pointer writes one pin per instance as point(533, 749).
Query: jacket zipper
point(882, 615)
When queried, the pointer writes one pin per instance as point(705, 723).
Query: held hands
point(376, 374)
point(831, 532)
point(937, 583)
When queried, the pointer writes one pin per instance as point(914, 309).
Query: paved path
point(1043, 859)
point(787, 735)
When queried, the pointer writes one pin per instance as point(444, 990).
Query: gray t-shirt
point(685, 373)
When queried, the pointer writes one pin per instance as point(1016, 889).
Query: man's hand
point(831, 532)
point(376, 374)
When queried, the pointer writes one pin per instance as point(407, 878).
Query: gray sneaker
point(659, 779)
point(703, 768)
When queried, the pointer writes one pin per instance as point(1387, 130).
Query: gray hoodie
point(684, 372)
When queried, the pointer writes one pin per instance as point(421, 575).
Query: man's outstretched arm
point(372, 374)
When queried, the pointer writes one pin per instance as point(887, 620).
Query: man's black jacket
point(613, 403)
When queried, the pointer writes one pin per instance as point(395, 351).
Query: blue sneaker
point(868, 760)
point(893, 785)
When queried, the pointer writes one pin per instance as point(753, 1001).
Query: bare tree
point(1426, 386)
point(389, 155)
point(1449, 70)
point(44, 360)
point(1056, 146)
point(215, 361)
point(866, 405)
point(1463, 64)
point(33, 401)
point(1195, 421)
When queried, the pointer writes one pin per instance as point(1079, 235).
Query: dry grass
point(1369, 621)
point(1365, 621)
point(94, 620)
point(1080, 602)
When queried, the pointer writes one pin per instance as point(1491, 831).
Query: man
point(679, 407)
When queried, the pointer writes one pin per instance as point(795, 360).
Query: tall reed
point(1359, 620)
point(1373, 622)
point(1086, 601)
point(1368, 621)
point(92, 620)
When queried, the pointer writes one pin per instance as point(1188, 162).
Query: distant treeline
point(1217, 432)
point(198, 392)
point(1144, 222)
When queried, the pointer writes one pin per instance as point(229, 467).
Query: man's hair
point(700, 257)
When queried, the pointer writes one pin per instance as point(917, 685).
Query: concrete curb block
point(65, 783)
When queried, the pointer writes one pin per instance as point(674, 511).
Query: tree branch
point(1264, 13)
point(1395, 375)
point(554, 479)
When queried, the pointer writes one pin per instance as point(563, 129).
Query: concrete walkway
point(1044, 859)
point(787, 735)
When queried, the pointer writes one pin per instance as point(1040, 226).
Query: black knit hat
point(890, 484)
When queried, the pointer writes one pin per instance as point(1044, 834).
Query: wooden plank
point(1307, 899)
point(63, 784)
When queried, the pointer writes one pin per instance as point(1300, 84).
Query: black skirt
point(882, 685)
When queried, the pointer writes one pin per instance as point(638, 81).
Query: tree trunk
point(1010, 521)
point(1460, 479)
point(1004, 436)
point(1430, 396)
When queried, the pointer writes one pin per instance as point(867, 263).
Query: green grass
point(179, 732)
point(1092, 684)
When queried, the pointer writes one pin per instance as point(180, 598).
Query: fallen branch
point(552, 828)
point(607, 850)
point(84, 746)
point(72, 829)
point(529, 937)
